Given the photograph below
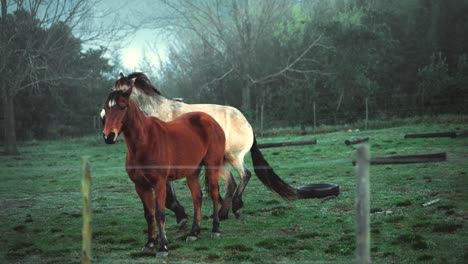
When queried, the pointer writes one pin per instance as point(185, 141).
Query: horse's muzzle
point(111, 138)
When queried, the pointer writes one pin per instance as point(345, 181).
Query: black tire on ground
point(318, 190)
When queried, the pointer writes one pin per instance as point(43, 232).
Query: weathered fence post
point(367, 113)
point(315, 121)
point(362, 206)
point(85, 189)
point(261, 119)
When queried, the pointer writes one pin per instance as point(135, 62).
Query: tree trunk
point(432, 32)
point(10, 127)
point(7, 100)
point(246, 106)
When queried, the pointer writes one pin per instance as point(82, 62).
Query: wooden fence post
point(362, 206)
point(261, 120)
point(367, 113)
point(315, 121)
point(86, 232)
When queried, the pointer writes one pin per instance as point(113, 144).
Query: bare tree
point(40, 60)
point(234, 30)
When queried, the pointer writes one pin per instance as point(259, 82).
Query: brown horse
point(158, 152)
point(240, 140)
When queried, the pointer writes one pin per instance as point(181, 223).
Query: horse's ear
point(121, 75)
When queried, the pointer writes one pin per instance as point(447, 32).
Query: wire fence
point(314, 113)
point(378, 107)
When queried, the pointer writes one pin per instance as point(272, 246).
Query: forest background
point(274, 60)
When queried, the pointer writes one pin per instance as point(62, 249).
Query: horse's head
point(137, 79)
point(113, 114)
point(124, 83)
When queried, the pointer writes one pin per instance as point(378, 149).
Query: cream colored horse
point(239, 139)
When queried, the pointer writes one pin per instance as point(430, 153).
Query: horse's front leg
point(231, 186)
point(146, 195)
point(195, 190)
point(160, 200)
point(237, 202)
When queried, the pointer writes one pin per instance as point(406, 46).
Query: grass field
point(40, 205)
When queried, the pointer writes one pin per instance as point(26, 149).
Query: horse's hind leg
point(213, 176)
point(245, 175)
point(194, 186)
point(231, 186)
point(173, 204)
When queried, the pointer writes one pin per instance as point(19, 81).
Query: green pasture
point(40, 205)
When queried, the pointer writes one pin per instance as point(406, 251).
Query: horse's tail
point(268, 177)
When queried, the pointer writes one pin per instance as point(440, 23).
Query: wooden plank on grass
point(432, 135)
point(462, 133)
point(287, 144)
point(356, 140)
point(420, 158)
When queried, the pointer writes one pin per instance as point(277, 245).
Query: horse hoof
point(162, 254)
point(191, 238)
point(223, 216)
point(215, 235)
point(148, 248)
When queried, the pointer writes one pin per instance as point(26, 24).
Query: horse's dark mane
point(141, 82)
point(114, 95)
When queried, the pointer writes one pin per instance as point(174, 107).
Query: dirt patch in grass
point(212, 257)
point(424, 224)
point(342, 208)
point(20, 228)
point(201, 248)
point(446, 207)
point(308, 235)
point(23, 249)
point(238, 248)
point(425, 258)
point(292, 230)
point(273, 209)
point(141, 254)
point(417, 241)
point(446, 228)
point(272, 202)
point(267, 244)
point(404, 203)
point(394, 219)
point(236, 258)
point(340, 249)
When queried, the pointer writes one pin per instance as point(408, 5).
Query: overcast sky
point(141, 43)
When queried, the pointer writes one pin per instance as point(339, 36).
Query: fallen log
point(408, 159)
point(462, 133)
point(356, 140)
point(432, 135)
point(287, 144)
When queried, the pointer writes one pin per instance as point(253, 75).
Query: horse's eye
point(122, 107)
